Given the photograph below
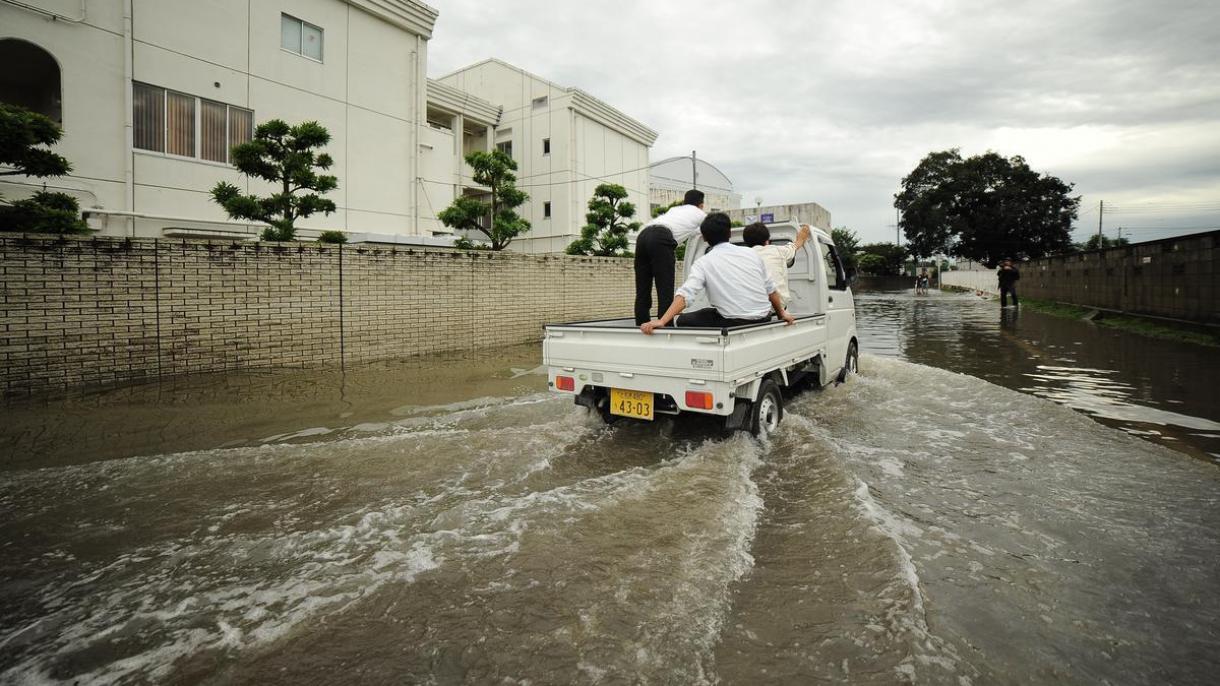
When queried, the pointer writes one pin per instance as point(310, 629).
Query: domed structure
point(670, 178)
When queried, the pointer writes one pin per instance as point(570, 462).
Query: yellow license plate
point(637, 404)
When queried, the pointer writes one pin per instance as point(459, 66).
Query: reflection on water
point(1164, 391)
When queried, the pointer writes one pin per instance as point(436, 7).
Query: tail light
point(565, 383)
point(699, 400)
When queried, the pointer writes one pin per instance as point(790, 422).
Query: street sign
point(767, 218)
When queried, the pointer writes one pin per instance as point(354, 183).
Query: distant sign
point(767, 218)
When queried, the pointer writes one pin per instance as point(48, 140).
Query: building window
point(540, 102)
point(546, 146)
point(300, 37)
point(505, 147)
point(546, 210)
point(31, 78)
point(181, 124)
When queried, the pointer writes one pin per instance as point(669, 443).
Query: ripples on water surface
point(1163, 390)
point(912, 525)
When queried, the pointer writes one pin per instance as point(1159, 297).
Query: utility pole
point(1101, 210)
point(694, 172)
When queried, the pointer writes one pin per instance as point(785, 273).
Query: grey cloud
point(836, 101)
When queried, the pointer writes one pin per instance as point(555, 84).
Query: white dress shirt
point(736, 281)
point(682, 221)
point(776, 257)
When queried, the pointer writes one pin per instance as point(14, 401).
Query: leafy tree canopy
point(496, 218)
point(848, 245)
point(22, 136)
point(881, 258)
point(985, 208)
point(1096, 242)
point(286, 156)
point(605, 233)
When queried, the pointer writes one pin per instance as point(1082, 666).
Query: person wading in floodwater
point(1008, 276)
point(654, 254)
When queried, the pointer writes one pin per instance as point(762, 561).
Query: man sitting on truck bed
point(758, 238)
point(736, 281)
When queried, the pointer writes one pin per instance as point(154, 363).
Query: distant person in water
point(921, 282)
point(1008, 277)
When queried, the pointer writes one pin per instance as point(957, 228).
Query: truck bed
point(730, 355)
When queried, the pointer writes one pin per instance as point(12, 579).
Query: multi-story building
point(151, 95)
point(670, 178)
point(565, 143)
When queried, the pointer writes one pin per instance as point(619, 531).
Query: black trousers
point(708, 316)
point(1004, 291)
point(654, 262)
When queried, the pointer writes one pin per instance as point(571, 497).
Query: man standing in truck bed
point(654, 254)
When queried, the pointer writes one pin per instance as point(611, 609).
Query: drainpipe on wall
point(421, 86)
point(129, 172)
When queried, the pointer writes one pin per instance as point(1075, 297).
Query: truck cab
point(738, 372)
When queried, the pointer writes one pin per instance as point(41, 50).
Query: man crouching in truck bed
point(738, 287)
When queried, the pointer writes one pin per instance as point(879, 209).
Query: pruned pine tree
point(288, 157)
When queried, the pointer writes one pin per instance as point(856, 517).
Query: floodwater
point(446, 521)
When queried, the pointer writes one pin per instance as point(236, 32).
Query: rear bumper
point(589, 386)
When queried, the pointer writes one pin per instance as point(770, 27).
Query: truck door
point(839, 308)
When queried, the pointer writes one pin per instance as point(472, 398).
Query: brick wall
point(97, 310)
point(1174, 277)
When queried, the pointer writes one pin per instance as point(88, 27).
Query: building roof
point(410, 15)
point(582, 101)
point(674, 172)
point(460, 102)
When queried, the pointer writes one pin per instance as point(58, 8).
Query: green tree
point(495, 171)
point(1096, 242)
point(332, 237)
point(608, 217)
point(848, 244)
point(882, 258)
point(285, 156)
point(25, 137)
point(984, 208)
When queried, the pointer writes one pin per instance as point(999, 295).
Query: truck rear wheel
point(767, 410)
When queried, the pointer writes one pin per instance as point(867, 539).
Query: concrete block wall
point(1177, 278)
point(82, 311)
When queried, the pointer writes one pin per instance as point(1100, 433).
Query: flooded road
point(1166, 391)
point(446, 521)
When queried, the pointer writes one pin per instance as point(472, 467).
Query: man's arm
point(678, 305)
point(773, 296)
point(802, 236)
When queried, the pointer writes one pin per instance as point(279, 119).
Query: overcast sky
point(835, 101)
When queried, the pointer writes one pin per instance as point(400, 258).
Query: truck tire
point(767, 410)
point(851, 365)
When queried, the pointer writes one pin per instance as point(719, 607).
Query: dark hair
point(756, 234)
point(716, 228)
point(693, 197)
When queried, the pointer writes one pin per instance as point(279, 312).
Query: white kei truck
point(737, 372)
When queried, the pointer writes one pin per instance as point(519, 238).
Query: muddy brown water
point(988, 502)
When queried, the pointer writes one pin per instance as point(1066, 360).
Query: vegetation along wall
point(1177, 278)
point(95, 310)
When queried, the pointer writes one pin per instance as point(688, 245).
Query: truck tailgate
point(731, 355)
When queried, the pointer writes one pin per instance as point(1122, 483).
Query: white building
point(809, 213)
point(670, 178)
point(152, 93)
point(565, 143)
